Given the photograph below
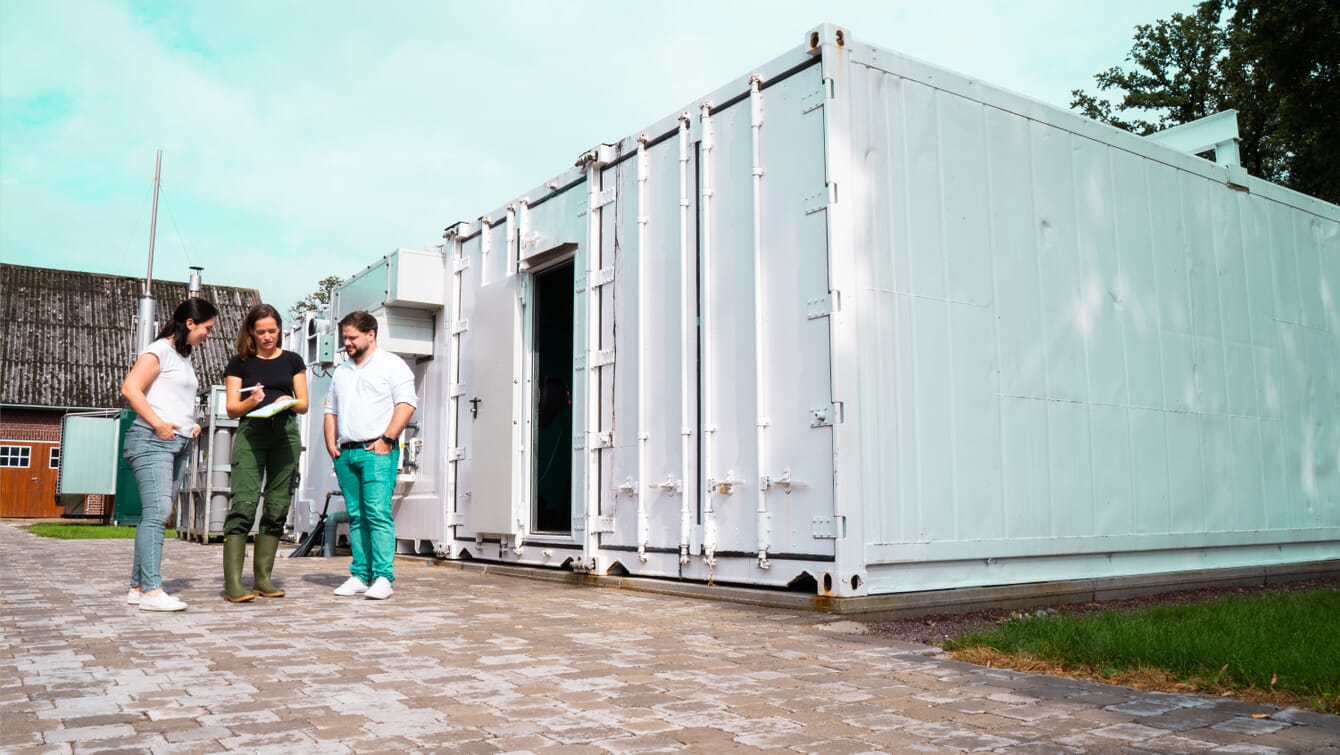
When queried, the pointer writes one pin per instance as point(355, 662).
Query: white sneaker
point(133, 598)
point(380, 590)
point(352, 586)
point(161, 602)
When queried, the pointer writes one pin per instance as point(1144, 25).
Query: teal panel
point(934, 421)
point(1149, 457)
point(89, 454)
point(128, 506)
point(1025, 467)
point(976, 396)
point(1058, 263)
point(1186, 497)
point(365, 291)
point(1218, 471)
point(1251, 500)
point(1071, 469)
point(1113, 501)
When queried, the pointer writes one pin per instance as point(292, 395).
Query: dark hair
point(194, 309)
point(364, 322)
point(246, 344)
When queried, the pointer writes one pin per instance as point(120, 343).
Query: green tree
point(1277, 62)
point(317, 298)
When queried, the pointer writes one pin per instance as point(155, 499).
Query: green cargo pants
point(264, 448)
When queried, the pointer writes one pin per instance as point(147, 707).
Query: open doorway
point(552, 358)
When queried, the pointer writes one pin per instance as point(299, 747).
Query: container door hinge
point(813, 100)
point(816, 202)
point(604, 197)
point(603, 276)
point(456, 454)
point(455, 519)
point(604, 524)
point(460, 326)
point(830, 527)
point(818, 307)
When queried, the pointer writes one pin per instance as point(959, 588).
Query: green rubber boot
point(234, 553)
point(262, 563)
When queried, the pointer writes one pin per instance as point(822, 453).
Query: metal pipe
point(193, 286)
point(153, 224)
point(760, 329)
point(687, 357)
point(643, 347)
point(144, 330)
point(707, 323)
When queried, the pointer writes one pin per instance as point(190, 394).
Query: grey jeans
point(158, 465)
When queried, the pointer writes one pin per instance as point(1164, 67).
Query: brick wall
point(30, 424)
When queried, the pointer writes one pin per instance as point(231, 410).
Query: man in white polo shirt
point(371, 400)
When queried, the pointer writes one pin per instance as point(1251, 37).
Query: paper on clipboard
point(270, 410)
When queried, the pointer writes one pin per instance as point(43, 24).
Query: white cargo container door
point(796, 468)
point(459, 497)
point(647, 503)
point(799, 460)
point(490, 408)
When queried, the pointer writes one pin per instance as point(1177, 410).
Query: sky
point(303, 139)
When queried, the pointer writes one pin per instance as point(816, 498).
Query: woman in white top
point(161, 388)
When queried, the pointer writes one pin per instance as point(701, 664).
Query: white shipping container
point(857, 325)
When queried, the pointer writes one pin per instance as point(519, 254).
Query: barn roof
point(70, 335)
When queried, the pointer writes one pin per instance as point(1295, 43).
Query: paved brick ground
point(463, 661)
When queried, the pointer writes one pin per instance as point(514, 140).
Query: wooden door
point(28, 480)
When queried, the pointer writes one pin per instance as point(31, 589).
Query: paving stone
point(1252, 726)
point(90, 733)
point(1129, 732)
point(466, 661)
point(1041, 748)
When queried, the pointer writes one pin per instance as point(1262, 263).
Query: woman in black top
point(267, 444)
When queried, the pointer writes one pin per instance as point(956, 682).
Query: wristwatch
point(389, 441)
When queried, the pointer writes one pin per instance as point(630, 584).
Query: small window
point(15, 456)
point(55, 457)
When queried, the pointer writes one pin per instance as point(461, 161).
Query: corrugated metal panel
point(1070, 346)
point(72, 334)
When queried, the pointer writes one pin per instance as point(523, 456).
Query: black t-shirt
point(275, 374)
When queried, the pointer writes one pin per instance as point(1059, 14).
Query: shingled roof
point(69, 336)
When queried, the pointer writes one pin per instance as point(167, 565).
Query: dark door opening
point(552, 460)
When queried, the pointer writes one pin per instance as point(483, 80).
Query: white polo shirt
point(363, 397)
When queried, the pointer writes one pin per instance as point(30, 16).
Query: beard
point(356, 352)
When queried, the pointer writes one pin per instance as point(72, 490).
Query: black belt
point(350, 445)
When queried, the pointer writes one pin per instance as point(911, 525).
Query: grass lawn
point(82, 531)
point(1278, 648)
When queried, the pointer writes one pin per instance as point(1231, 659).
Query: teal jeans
point(264, 448)
point(367, 481)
